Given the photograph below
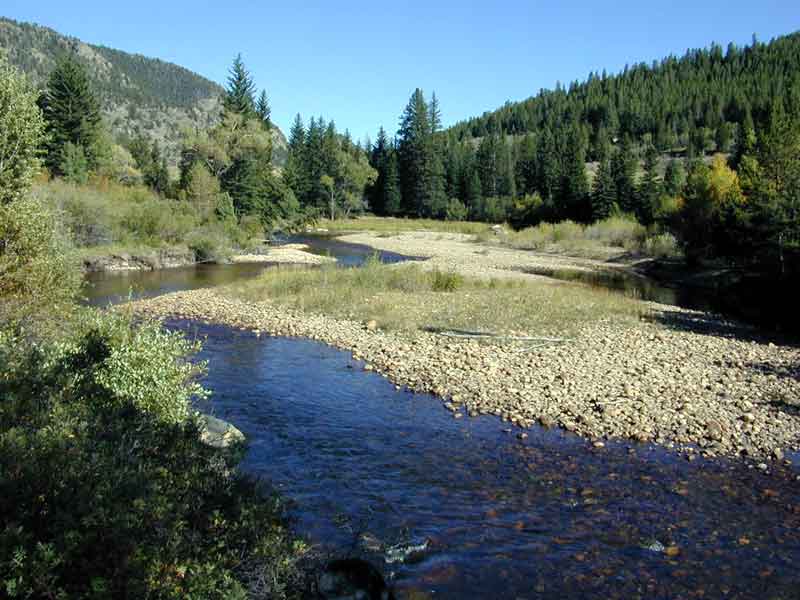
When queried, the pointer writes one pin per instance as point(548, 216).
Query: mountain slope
point(699, 99)
point(138, 94)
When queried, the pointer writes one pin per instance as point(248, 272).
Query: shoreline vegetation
point(601, 365)
point(105, 486)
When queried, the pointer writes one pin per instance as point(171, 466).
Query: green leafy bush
point(105, 488)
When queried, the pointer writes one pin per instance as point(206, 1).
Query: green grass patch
point(409, 298)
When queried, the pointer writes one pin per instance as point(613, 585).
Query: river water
point(464, 509)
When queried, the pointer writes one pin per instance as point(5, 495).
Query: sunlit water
point(498, 517)
point(376, 472)
point(103, 288)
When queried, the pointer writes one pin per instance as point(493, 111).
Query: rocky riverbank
point(682, 379)
point(286, 254)
point(460, 253)
point(172, 258)
point(151, 261)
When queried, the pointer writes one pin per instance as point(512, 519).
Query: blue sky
point(357, 62)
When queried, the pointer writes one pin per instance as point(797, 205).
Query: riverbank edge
point(174, 258)
point(421, 362)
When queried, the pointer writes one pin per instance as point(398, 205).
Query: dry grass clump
point(393, 225)
point(410, 298)
point(599, 239)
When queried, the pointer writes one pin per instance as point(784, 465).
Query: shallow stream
point(463, 508)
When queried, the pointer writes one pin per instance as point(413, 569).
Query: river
point(463, 508)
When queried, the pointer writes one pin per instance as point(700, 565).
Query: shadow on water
point(750, 300)
point(103, 288)
point(463, 509)
point(346, 254)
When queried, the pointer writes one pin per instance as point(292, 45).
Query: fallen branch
point(457, 333)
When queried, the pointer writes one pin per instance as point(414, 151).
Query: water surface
point(498, 517)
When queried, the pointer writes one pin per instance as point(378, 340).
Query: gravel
point(686, 380)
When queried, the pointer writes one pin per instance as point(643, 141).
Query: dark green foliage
point(327, 172)
point(100, 498)
point(604, 191)
point(71, 112)
point(151, 163)
point(392, 201)
point(263, 109)
point(294, 171)
point(650, 187)
point(623, 169)
point(676, 101)
point(770, 177)
point(674, 177)
point(240, 93)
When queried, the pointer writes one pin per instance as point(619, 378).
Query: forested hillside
point(139, 95)
point(695, 102)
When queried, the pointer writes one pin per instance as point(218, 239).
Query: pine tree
point(295, 172)
point(623, 168)
point(378, 159)
point(435, 114)
point(487, 165)
point(263, 109)
point(413, 147)
point(674, 178)
point(71, 112)
point(240, 93)
point(574, 202)
point(604, 190)
point(650, 188)
point(392, 200)
point(473, 194)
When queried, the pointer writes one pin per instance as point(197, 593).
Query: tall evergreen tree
point(604, 190)
point(72, 113)
point(413, 147)
point(623, 167)
point(263, 109)
point(392, 200)
point(240, 92)
point(650, 187)
point(573, 200)
point(378, 159)
point(674, 177)
point(295, 172)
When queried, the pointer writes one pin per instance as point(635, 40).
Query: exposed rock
point(219, 434)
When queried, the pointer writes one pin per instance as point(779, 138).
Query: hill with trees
point(694, 103)
point(139, 96)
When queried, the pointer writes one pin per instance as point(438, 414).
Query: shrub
point(105, 487)
point(663, 245)
point(617, 230)
point(445, 281)
point(456, 210)
point(74, 164)
point(21, 131)
point(37, 277)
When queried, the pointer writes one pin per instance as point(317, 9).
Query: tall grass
point(393, 225)
point(105, 217)
point(614, 233)
point(408, 298)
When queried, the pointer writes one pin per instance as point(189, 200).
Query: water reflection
point(372, 468)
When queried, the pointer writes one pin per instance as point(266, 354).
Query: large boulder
point(218, 433)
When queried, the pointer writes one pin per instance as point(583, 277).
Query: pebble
point(644, 382)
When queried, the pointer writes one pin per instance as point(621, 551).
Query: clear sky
point(358, 61)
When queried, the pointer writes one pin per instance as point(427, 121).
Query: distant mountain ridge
point(138, 94)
